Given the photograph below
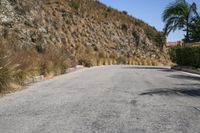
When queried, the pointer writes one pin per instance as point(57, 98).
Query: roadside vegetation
point(186, 56)
point(19, 66)
point(180, 15)
point(4, 72)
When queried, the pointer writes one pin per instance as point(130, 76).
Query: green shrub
point(75, 5)
point(105, 15)
point(125, 12)
point(172, 53)
point(186, 56)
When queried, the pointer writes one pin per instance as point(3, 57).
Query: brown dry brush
point(21, 65)
point(5, 76)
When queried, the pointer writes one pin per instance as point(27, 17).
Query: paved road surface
point(112, 99)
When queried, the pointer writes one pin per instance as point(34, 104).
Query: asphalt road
point(111, 99)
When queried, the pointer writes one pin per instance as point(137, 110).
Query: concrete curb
point(186, 69)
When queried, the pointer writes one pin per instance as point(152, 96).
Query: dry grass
point(5, 76)
point(19, 66)
point(4, 79)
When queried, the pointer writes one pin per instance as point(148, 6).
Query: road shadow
point(167, 70)
point(196, 85)
point(144, 67)
point(184, 90)
point(187, 77)
point(163, 69)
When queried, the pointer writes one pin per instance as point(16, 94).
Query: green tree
point(194, 31)
point(178, 16)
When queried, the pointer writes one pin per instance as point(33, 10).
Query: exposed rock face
point(79, 29)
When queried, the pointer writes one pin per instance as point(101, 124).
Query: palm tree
point(178, 16)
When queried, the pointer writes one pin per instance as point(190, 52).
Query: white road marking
point(197, 108)
point(191, 74)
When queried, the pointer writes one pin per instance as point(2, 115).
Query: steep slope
point(41, 36)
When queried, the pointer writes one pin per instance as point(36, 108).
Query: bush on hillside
point(75, 5)
point(125, 12)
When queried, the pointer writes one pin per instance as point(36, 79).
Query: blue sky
point(149, 11)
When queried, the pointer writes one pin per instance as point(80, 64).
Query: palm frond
point(173, 23)
point(179, 7)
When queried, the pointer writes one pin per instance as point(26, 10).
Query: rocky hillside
point(46, 36)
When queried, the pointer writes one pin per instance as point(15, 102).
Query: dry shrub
point(102, 54)
point(110, 61)
point(22, 64)
point(121, 60)
point(99, 62)
point(4, 79)
point(106, 61)
point(5, 76)
point(54, 61)
point(87, 57)
point(85, 62)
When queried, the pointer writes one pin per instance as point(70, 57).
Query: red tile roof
point(171, 44)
